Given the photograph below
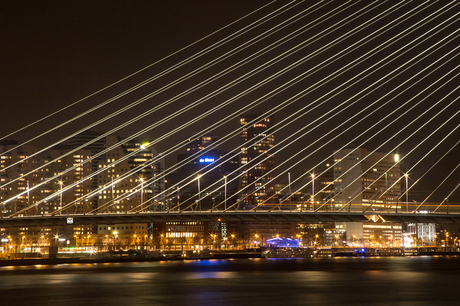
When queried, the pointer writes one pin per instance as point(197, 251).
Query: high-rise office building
point(257, 184)
point(74, 164)
point(71, 185)
point(131, 182)
point(363, 179)
point(130, 170)
point(212, 181)
point(16, 191)
point(207, 179)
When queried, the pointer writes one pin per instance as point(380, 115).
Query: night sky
point(55, 53)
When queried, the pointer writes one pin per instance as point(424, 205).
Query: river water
point(319, 281)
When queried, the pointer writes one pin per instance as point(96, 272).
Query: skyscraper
point(257, 185)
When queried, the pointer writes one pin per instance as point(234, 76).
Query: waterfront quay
point(132, 255)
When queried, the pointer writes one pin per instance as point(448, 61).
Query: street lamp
point(225, 192)
point(313, 190)
point(142, 191)
point(213, 238)
point(115, 236)
point(28, 193)
point(56, 238)
point(290, 199)
point(407, 192)
point(386, 190)
point(60, 202)
point(199, 193)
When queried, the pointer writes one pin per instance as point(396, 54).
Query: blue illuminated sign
point(206, 160)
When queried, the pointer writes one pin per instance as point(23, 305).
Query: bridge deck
point(173, 216)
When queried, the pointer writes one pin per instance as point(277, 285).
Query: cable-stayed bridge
point(321, 81)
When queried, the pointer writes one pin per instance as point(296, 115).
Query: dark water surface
point(319, 281)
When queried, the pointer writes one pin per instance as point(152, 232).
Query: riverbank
point(131, 256)
point(115, 258)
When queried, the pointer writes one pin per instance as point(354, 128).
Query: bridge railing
point(391, 208)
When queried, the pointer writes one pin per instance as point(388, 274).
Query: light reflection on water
point(326, 281)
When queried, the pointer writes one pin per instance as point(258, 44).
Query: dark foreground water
point(322, 281)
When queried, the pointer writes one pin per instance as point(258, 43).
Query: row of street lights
point(312, 196)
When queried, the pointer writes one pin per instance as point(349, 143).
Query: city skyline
point(226, 134)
